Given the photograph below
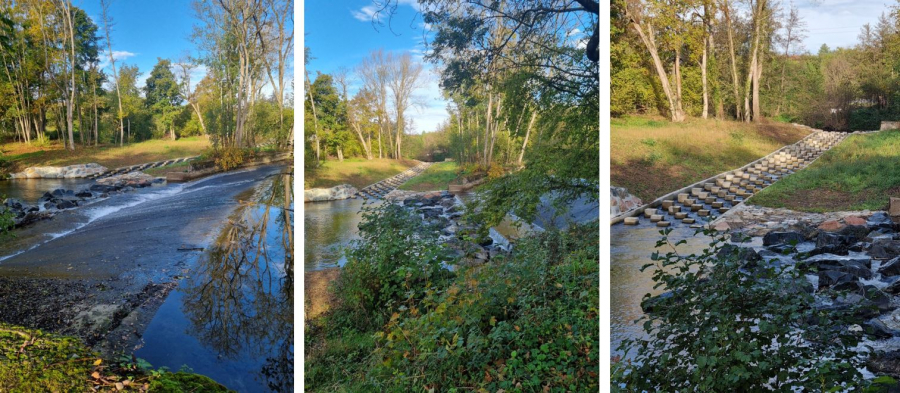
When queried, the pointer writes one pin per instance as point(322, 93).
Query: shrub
point(227, 158)
point(528, 322)
point(730, 324)
point(397, 260)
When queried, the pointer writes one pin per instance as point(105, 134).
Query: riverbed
point(195, 275)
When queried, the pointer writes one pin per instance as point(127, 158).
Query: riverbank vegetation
point(357, 172)
point(717, 329)
point(400, 321)
point(61, 85)
point(34, 361)
point(408, 314)
point(857, 174)
point(651, 156)
point(436, 177)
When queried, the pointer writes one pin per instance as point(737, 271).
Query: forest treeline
point(520, 78)
point(746, 61)
point(61, 79)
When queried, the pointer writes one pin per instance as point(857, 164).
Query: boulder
point(855, 220)
point(343, 191)
point(65, 204)
point(885, 363)
point(880, 220)
point(66, 172)
point(84, 194)
point(890, 268)
point(885, 249)
point(875, 327)
point(831, 226)
point(857, 232)
point(774, 238)
point(832, 243)
point(746, 255)
point(830, 278)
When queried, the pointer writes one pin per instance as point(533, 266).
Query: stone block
point(894, 209)
point(631, 221)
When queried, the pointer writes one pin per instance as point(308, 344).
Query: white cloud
point(366, 14)
point(116, 54)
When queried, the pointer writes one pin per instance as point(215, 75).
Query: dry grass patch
point(357, 172)
point(109, 156)
point(651, 156)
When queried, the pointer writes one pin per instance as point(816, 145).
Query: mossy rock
point(185, 382)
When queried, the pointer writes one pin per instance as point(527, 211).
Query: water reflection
point(330, 226)
point(237, 303)
point(30, 190)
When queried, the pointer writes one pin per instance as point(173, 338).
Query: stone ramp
point(140, 167)
point(380, 189)
point(700, 201)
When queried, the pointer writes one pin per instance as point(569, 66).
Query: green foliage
point(227, 158)
point(730, 324)
point(395, 263)
point(527, 322)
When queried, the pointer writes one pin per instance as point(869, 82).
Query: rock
point(84, 194)
point(773, 238)
point(747, 256)
point(343, 191)
point(65, 205)
point(831, 226)
point(885, 249)
point(858, 232)
point(102, 188)
point(885, 363)
point(67, 172)
point(13, 203)
point(880, 233)
point(880, 220)
point(890, 268)
point(132, 179)
point(855, 221)
point(877, 328)
point(829, 278)
point(654, 303)
point(832, 243)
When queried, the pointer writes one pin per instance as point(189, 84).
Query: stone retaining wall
point(65, 172)
point(621, 201)
point(343, 191)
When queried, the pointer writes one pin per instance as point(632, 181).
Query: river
point(30, 190)
point(196, 275)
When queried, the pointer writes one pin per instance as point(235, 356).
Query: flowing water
point(30, 190)
point(630, 248)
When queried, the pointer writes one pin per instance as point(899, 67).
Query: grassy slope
point(357, 172)
point(436, 177)
point(108, 156)
point(858, 174)
point(651, 156)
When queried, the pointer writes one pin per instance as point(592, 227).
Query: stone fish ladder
point(381, 188)
point(716, 195)
point(140, 167)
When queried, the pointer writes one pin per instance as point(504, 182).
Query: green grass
point(357, 172)
point(651, 156)
point(861, 173)
point(436, 177)
point(109, 156)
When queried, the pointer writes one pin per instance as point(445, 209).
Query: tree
point(162, 95)
point(404, 76)
point(107, 29)
point(190, 94)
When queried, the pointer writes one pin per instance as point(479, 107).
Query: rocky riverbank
point(445, 210)
point(851, 260)
point(62, 199)
point(336, 193)
point(66, 172)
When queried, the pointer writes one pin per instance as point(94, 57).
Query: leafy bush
point(395, 263)
point(865, 119)
point(227, 158)
point(528, 322)
point(732, 324)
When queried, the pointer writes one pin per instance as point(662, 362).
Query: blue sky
point(837, 22)
point(340, 34)
point(145, 30)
